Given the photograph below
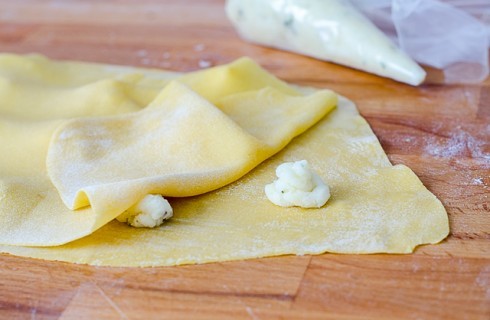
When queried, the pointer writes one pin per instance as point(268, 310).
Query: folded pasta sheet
point(210, 141)
point(180, 144)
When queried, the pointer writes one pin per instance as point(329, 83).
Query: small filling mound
point(149, 212)
point(297, 185)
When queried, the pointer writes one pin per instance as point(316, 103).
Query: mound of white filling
point(149, 212)
point(297, 185)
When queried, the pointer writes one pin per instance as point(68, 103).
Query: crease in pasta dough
point(374, 206)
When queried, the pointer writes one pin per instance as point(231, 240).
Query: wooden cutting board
point(440, 131)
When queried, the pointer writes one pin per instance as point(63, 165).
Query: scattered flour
point(478, 181)
point(459, 144)
point(204, 64)
point(147, 59)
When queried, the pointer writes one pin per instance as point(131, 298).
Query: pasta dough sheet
point(180, 144)
point(374, 207)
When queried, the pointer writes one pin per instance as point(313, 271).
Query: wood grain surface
point(440, 131)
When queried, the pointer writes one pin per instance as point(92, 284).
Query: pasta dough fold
point(179, 145)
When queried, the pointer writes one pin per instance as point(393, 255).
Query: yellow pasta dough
point(179, 144)
point(238, 115)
